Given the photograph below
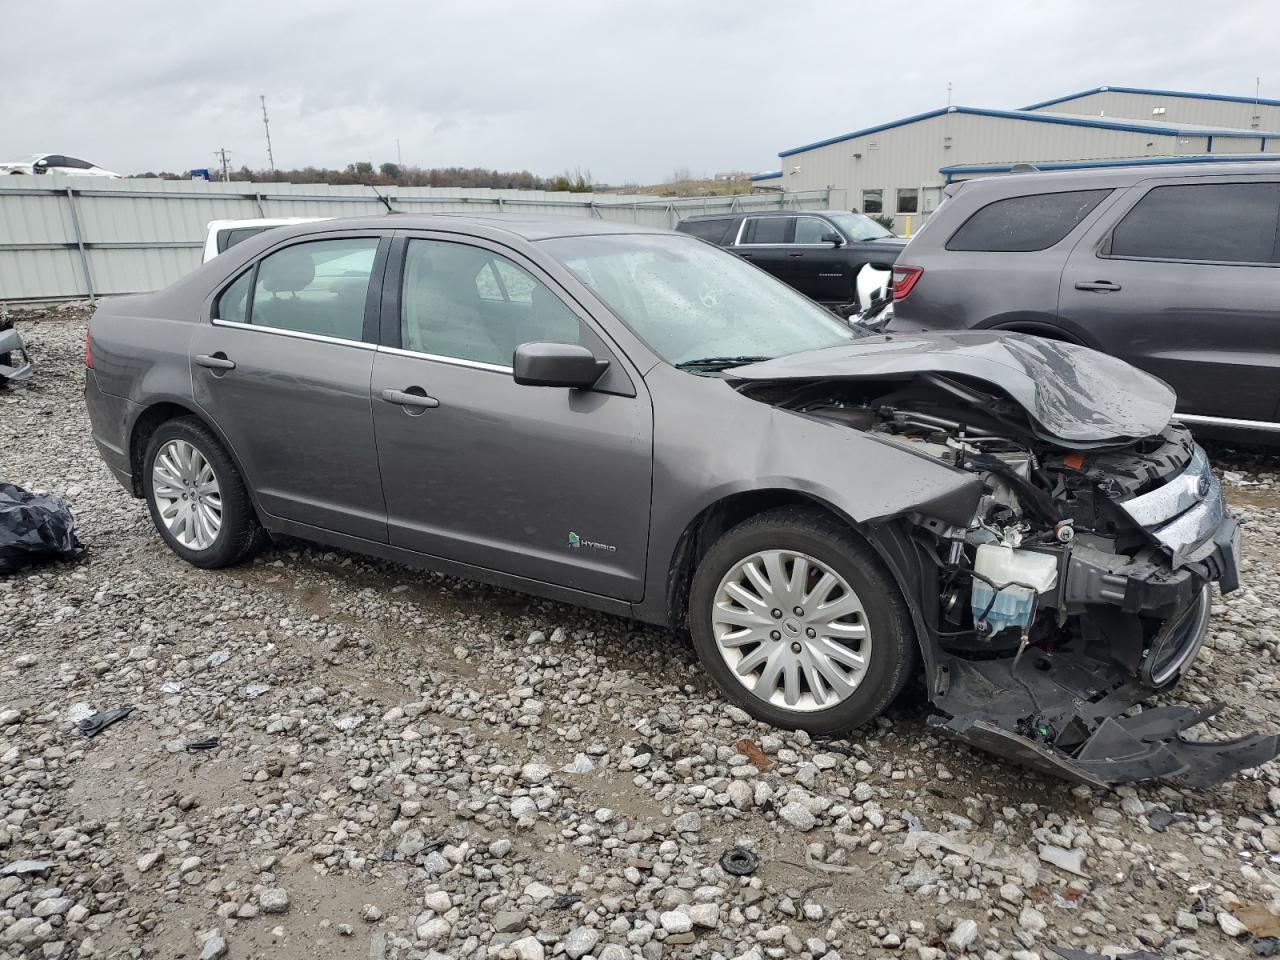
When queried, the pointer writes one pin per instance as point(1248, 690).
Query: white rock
point(673, 921)
point(798, 815)
point(1230, 925)
point(580, 763)
point(274, 900)
point(528, 948)
point(1031, 919)
point(438, 901)
point(1071, 861)
point(963, 936)
point(433, 931)
point(705, 915)
point(535, 773)
point(580, 941)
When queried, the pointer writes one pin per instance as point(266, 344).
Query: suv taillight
point(904, 278)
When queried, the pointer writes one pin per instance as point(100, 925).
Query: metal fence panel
point(71, 237)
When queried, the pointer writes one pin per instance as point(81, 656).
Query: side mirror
point(556, 365)
point(833, 238)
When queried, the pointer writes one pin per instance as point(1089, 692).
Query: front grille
point(1183, 512)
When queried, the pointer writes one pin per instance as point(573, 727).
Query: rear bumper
point(19, 365)
point(109, 419)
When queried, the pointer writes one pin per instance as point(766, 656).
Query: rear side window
point(711, 230)
point(767, 230)
point(229, 238)
point(1024, 224)
point(1224, 222)
point(318, 287)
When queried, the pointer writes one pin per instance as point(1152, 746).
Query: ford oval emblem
point(1203, 485)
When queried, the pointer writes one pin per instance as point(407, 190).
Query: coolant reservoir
point(995, 608)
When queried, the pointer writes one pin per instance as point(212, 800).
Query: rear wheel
point(197, 498)
point(800, 624)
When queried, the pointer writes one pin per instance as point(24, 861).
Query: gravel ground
point(408, 765)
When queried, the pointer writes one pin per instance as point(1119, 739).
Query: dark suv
point(1174, 269)
point(819, 252)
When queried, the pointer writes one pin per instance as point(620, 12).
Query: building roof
point(1196, 158)
point(1067, 119)
point(767, 175)
point(1152, 92)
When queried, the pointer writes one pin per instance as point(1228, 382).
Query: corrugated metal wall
point(1115, 104)
point(66, 237)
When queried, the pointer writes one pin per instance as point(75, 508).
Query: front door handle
point(217, 361)
point(795, 254)
point(414, 397)
point(1098, 286)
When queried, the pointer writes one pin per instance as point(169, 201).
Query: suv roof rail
point(1024, 168)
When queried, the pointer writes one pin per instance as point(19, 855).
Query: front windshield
point(859, 227)
point(691, 301)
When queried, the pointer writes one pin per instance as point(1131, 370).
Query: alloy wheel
point(187, 495)
point(792, 630)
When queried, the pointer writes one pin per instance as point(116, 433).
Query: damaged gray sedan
point(638, 422)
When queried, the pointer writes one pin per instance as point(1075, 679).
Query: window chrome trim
point(742, 227)
point(296, 334)
point(454, 361)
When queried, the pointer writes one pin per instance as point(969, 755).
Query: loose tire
point(197, 498)
point(800, 624)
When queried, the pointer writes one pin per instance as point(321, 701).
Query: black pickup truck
point(819, 252)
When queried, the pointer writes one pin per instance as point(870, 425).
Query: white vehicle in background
point(224, 234)
point(57, 163)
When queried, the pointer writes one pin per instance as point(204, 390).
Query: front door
point(818, 267)
point(1185, 286)
point(283, 371)
point(544, 483)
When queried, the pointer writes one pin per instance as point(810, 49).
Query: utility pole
point(399, 159)
point(267, 127)
point(948, 93)
point(222, 153)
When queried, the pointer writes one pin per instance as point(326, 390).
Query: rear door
point(766, 242)
point(545, 483)
point(283, 369)
point(1184, 281)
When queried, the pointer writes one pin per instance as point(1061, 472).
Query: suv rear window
point(711, 230)
point(1024, 224)
point(1223, 222)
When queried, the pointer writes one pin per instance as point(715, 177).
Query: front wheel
point(800, 624)
point(196, 496)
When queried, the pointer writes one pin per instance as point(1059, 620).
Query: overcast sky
point(629, 91)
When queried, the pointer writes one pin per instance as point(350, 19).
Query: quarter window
point(1023, 224)
point(318, 287)
point(468, 303)
point(908, 200)
point(1222, 222)
point(873, 201)
point(233, 303)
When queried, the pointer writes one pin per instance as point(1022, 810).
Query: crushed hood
point(1071, 393)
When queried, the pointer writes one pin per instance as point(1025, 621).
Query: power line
point(267, 127)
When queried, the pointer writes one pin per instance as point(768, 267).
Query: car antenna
point(385, 202)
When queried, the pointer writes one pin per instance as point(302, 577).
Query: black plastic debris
point(33, 527)
point(1267, 947)
point(566, 901)
point(94, 725)
point(739, 861)
point(208, 743)
point(1159, 820)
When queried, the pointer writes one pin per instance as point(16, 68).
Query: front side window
point(873, 201)
point(908, 200)
point(1024, 224)
point(1222, 222)
point(858, 227)
point(813, 230)
point(689, 301)
point(469, 303)
point(318, 287)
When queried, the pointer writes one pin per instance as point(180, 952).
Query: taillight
point(88, 351)
point(904, 278)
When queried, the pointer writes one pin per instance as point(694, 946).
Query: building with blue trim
point(900, 167)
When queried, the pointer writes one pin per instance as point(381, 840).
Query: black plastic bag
point(33, 527)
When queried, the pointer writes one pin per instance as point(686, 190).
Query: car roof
point(527, 226)
point(761, 213)
point(1119, 176)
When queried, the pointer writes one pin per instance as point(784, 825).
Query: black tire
point(893, 654)
point(240, 536)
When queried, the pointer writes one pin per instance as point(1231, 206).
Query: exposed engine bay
point(1078, 589)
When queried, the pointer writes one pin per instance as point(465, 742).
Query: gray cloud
point(628, 90)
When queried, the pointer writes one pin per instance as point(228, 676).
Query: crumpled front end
point(1079, 588)
point(14, 363)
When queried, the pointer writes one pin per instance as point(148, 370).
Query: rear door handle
point(406, 398)
point(795, 254)
point(217, 361)
point(1098, 286)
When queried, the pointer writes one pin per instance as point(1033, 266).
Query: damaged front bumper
point(1069, 709)
point(15, 365)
